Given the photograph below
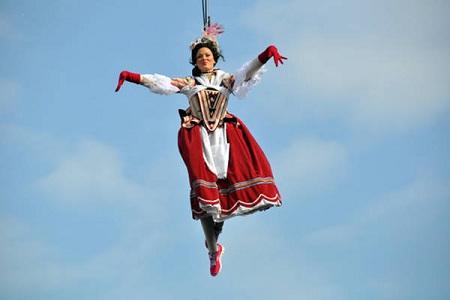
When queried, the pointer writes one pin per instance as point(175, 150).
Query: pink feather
point(213, 30)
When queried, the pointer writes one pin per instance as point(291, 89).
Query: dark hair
point(211, 46)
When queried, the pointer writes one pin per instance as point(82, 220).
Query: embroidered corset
point(209, 106)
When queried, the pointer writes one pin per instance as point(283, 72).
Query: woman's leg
point(210, 233)
point(218, 229)
point(215, 250)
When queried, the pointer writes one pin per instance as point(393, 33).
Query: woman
point(228, 172)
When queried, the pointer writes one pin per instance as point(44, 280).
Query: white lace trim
point(159, 84)
point(261, 203)
point(215, 83)
point(247, 76)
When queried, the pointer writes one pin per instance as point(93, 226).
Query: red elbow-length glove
point(270, 52)
point(128, 76)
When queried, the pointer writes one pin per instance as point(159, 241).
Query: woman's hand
point(271, 51)
point(128, 76)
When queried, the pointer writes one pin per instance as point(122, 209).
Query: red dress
point(249, 185)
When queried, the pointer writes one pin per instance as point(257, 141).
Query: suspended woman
point(229, 174)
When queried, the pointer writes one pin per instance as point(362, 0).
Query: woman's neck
point(209, 74)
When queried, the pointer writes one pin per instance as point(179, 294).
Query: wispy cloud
point(32, 267)
point(8, 29)
point(264, 254)
point(83, 176)
point(404, 212)
point(27, 263)
point(88, 172)
point(380, 85)
point(9, 96)
point(311, 164)
point(38, 145)
point(92, 172)
point(379, 65)
point(402, 232)
point(85, 171)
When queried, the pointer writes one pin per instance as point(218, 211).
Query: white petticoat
point(216, 150)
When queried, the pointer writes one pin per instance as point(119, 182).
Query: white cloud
point(311, 164)
point(83, 175)
point(402, 232)
point(7, 29)
point(403, 214)
point(37, 144)
point(9, 95)
point(264, 254)
point(380, 65)
point(92, 172)
point(32, 267)
point(256, 245)
point(380, 85)
point(411, 209)
point(88, 172)
point(26, 262)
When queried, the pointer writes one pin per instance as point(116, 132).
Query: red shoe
point(216, 260)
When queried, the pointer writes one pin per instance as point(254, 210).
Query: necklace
point(209, 74)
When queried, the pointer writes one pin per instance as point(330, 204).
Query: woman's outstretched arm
point(157, 83)
point(128, 76)
point(263, 58)
point(250, 73)
point(270, 52)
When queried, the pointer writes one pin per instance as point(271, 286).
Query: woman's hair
point(211, 46)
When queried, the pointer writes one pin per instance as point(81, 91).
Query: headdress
point(209, 35)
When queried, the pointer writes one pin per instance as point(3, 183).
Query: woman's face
point(204, 60)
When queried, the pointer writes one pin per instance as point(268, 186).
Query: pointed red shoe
point(216, 260)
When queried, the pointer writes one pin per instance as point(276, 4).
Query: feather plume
point(211, 34)
point(213, 31)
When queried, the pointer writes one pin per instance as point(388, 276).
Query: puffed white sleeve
point(159, 84)
point(247, 76)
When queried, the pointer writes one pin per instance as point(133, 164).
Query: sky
point(94, 195)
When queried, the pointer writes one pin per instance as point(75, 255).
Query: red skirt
point(249, 185)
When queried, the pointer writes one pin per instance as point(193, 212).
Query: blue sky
point(94, 196)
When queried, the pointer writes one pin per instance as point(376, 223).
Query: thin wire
point(204, 10)
point(206, 18)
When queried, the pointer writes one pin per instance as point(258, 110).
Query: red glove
point(128, 76)
point(271, 51)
